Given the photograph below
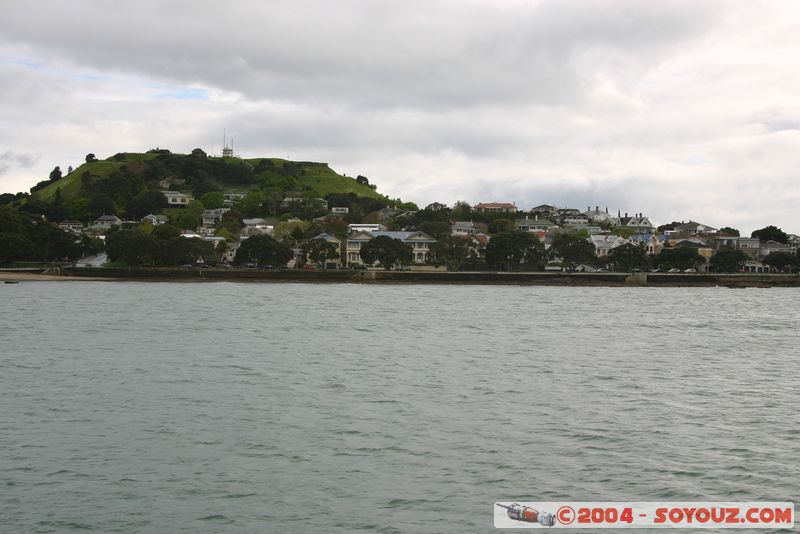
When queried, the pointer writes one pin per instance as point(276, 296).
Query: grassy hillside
point(262, 173)
point(323, 180)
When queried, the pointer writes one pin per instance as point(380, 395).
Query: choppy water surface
point(229, 407)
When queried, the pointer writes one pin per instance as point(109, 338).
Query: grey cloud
point(10, 158)
point(375, 54)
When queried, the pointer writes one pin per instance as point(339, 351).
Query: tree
point(515, 250)
point(386, 251)
point(781, 261)
point(213, 200)
point(199, 153)
point(453, 251)
point(90, 158)
point(232, 221)
point(436, 229)
point(145, 203)
point(319, 250)
point(132, 246)
point(55, 174)
point(263, 251)
point(501, 225)
point(770, 233)
point(728, 260)
point(572, 250)
point(679, 258)
point(101, 204)
point(628, 257)
point(363, 180)
point(165, 232)
point(727, 230)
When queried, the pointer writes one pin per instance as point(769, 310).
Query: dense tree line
point(26, 238)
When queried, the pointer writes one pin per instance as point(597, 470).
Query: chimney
point(597, 209)
point(626, 214)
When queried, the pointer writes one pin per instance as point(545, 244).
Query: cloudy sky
point(681, 110)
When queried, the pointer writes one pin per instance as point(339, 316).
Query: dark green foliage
point(213, 200)
point(515, 250)
point(263, 251)
point(31, 239)
point(145, 203)
point(628, 257)
point(678, 257)
point(101, 204)
point(320, 251)
point(670, 226)
point(436, 229)
point(55, 174)
point(165, 232)
point(727, 230)
point(90, 158)
point(386, 251)
point(501, 225)
point(728, 260)
point(132, 246)
point(781, 261)
point(572, 250)
point(452, 251)
point(232, 221)
point(770, 233)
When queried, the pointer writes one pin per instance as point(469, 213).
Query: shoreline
point(739, 280)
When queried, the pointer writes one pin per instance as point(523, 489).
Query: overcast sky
point(680, 110)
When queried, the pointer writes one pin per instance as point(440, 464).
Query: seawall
point(443, 277)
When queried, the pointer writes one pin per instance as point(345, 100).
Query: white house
point(155, 220)
point(604, 243)
point(353, 228)
point(255, 226)
point(75, 227)
point(107, 221)
point(420, 244)
point(176, 199)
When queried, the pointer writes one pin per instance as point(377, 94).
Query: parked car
point(674, 270)
point(309, 267)
point(690, 270)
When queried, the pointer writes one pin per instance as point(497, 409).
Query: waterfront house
point(332, 263)
point(604, 243)
point(420, 244)
point(768, 247)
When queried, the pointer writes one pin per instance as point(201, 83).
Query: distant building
point(420, 244)
point(76, 227)
point(340, 210)
point(155, 220)
point(176, 199)
point(107, 221)
point(495, 207)
point(352, 228)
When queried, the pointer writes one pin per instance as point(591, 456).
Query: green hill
point(201, 174)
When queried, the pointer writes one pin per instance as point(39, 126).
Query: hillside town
point(424, 232)
point(161, 209)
